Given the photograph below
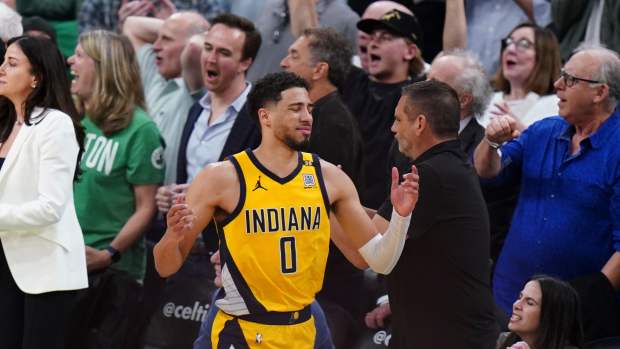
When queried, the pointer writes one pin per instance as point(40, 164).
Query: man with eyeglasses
point(395, 60)
point(374, 10)
point(567, 220)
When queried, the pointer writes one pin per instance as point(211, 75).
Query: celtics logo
point(157, 158)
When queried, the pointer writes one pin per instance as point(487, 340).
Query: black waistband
point(279, 318)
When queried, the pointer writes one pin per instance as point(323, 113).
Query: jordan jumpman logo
point(258, 185)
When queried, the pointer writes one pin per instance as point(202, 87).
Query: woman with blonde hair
point(529, 65)
point(115, 198)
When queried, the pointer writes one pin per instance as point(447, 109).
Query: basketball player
point(272, 206)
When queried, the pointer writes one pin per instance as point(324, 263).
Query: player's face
point(291, 118)
point(404, 129)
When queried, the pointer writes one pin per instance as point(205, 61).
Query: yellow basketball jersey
point(275, 243)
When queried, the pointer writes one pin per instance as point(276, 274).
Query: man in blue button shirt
point(567, 220)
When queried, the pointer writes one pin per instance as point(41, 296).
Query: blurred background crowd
point(160, 87)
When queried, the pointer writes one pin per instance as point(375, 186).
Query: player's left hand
point(180, 219)
point(404, 196)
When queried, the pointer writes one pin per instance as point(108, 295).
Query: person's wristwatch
point(115, 255)
point(493, 144)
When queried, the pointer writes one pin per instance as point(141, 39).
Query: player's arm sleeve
point(383, 250)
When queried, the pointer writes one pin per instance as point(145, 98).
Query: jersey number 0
point(288, 255)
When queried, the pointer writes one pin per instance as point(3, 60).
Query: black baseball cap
point(396, 22)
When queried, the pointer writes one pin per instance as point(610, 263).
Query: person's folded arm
point(141, 30)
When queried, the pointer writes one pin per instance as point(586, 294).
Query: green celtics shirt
point(111, 166)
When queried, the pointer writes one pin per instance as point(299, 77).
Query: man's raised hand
point(404, 196)
point(502, 128)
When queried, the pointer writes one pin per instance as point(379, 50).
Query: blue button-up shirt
point(207, 141)
point(567, 220)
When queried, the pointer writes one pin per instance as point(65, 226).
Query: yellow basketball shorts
point(229, 332)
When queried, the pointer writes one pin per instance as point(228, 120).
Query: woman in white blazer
point(42, 258)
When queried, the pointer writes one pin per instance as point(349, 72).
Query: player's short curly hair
point(270, 88)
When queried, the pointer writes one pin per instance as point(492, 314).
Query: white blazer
point(40, 233)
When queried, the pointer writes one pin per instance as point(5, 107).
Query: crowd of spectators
point(160, 87)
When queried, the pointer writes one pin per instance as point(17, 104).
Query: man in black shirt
point(439, 290)
point(394, 61)
point(322, 57)
point(462, 71)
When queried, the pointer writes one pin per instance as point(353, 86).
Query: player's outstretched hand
point(180, 219)
point(404, 196)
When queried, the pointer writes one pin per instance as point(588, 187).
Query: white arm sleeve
point(383, 251)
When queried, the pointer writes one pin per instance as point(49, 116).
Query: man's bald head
point(173, 35)
point(463, 71)
point(604, 66)
point(187, 23)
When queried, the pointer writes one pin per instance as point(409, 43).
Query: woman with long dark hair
point(545, 316)
point(42, 254)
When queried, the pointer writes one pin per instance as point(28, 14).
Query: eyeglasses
point(521, 44)
point(571, 80)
